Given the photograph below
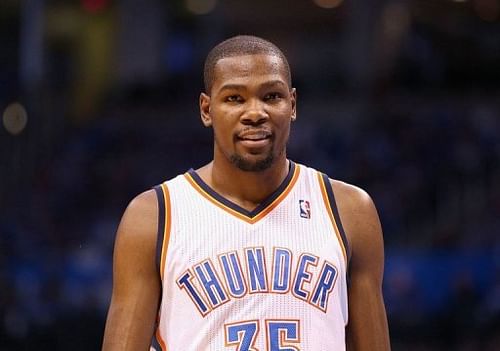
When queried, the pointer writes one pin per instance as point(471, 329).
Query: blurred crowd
point(431, 165)
point(397, 97)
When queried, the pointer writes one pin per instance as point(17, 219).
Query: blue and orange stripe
point(164, 225)
point(333, 213)
point(248, 216)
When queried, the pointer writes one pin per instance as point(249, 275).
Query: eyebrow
point(242, 86)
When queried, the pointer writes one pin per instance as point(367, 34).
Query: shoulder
point(136, 281)
point(352, 200)
point(367, 328)
point(143, 206)
point(138, 225)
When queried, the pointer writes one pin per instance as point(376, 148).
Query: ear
point(205, 110)
point(293, 98)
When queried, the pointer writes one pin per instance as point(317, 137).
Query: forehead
point(240, 69)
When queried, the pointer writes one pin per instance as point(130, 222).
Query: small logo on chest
point(305, 209)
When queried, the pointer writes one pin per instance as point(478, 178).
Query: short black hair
point(238, 46)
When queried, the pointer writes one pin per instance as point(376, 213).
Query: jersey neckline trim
point(248, 216)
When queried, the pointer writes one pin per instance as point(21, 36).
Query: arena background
point(99, 102)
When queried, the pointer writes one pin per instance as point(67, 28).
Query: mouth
point(254, 138)
point(254, 135)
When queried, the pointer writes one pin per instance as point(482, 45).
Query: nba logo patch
point(305, 209)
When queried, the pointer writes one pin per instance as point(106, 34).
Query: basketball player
point(251, 251)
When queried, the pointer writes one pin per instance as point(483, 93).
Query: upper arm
point(136, 283)
point(367, 328)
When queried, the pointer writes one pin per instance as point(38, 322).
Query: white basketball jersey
point(271, 279)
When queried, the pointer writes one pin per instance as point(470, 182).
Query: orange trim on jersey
point(166, 232)
point(164, 248)
point(160, 339)
point(332, 217)
point(239, 215)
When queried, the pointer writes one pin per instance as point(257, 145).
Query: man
point(255, 252)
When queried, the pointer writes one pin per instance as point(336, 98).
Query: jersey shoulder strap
point(164, 221)
point(331, 203)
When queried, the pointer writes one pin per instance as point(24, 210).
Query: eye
point(233, 98)
point(273, 96)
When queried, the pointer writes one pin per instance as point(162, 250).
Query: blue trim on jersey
point(161, 224)
point(335, 211)
point(262, 206)
point(155, 344)
point(159, 245)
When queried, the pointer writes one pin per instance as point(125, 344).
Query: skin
point(249, 94)
point(250, 108)
point(136, 283)
point(367, 328)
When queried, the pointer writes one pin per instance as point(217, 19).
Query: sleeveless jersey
point(271, 279)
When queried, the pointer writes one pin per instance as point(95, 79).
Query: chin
point(247, 164)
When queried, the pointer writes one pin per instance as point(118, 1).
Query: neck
point(247, 189)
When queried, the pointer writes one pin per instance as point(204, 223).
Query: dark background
point(398, 97)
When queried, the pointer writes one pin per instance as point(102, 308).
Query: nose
point(255, 113)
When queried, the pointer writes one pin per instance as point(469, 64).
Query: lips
point(254, 140)
point(254, 135)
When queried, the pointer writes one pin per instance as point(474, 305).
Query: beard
point(247, 165)
point(252, 162)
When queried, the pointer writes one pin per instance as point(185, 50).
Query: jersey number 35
point(281, 335)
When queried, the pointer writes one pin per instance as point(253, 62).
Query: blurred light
point(487, 10)
point(15, 118)
point(328, 4)
point(94, 6)
point(396, 20)
point(200, 7)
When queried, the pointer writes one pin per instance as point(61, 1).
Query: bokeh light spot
point(487, 10)
point(200, 7)
point(328, 4)
point(15, 118)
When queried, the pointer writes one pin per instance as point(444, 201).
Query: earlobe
point(205, 110)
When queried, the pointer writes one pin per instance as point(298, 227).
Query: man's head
point(241, 45)
point(249, 103)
